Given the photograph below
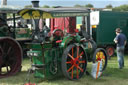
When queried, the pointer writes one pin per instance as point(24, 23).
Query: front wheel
point(100, 55)
point(74, 62)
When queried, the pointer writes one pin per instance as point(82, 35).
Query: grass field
point(111, 76)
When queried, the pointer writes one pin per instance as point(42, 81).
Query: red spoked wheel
point(74, 62)
point(110, 50)
point(100, 55)
point(10, 57)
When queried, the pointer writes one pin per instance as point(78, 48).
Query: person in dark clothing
point(45, 31)
point(19, 25)
point(120, 40)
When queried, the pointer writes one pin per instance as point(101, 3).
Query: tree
point(46, 6)
point(53, 7)
point(28, 6)
point(56, 6)
point(77, 5)
point(121, 8)
point(89, 5)
point(109, 6)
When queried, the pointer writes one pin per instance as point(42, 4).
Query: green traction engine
point(10, 49)
point(61, 53)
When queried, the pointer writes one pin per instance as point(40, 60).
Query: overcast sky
point(96, 3)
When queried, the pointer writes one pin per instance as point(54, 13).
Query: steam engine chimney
point(3, 2)
point(35, 3)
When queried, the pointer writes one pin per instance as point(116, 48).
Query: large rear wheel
point(74, 62)
point(10, 57)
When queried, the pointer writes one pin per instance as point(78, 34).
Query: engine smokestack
point(3, 2)
point(35, 3)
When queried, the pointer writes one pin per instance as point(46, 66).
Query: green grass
point(111, 76)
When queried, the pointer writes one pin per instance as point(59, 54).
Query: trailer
point(103, 24)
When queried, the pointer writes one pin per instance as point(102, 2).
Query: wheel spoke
point(82, 61)
point(80, 68)
point(101, 54)
point(98, 54)
point(103, 57)
point(81, 54)
point(9, 50)
point(69, 62)
point(77, 51)
point(72, 53)
point(70, 68)
point(11, 57)
point(71, 57)
point(77, 73)
point(6, 66)
point(72, 73)
point(3, 45)
point(12, 53)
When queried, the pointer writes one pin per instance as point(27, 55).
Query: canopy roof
point(9, 9)
point(36, 13)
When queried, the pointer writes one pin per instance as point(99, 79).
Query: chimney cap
point(35, 1)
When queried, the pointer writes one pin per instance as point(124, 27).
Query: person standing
point(120, 40)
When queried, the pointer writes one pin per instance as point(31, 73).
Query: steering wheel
point(58, 33)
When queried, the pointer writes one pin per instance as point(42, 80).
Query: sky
point(95, 3)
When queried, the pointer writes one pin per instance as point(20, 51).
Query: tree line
point(121, 8)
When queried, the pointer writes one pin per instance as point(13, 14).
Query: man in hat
point(120, 40)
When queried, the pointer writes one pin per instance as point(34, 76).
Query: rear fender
point(65, 42)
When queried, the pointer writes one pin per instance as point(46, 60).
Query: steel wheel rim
point(12, 57)
point(75, 62)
